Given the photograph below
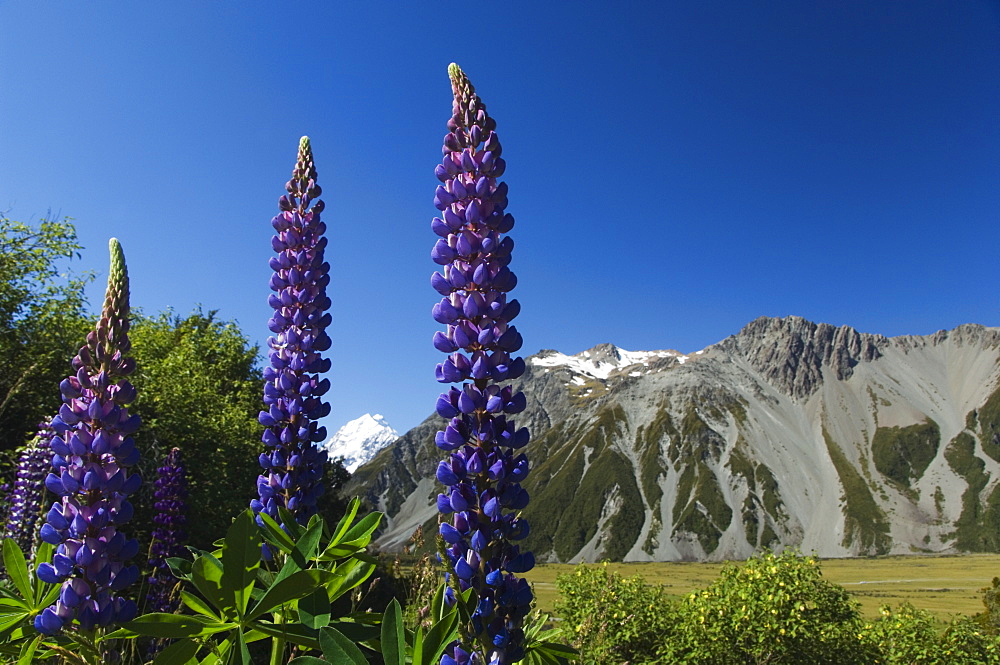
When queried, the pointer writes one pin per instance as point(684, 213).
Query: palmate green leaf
point(290, 632)
point(349, 575)
point(9, 622)
point(12, 605)
point(182, 652)
point(305, 549)
point(555, 653)
point(179, 567)
point(345, 522)
point(438, 637)
point(357, 538)
point(17, 568)
point(418, 647)
point(45, 593)
point(275, 535)
point(314, 609)
point(198, 605)
point(206, 574)
point(240, 560)
point(160, 624)
point(338, 649)
point(356, 632)
point(242, 653)
point(393, 642)
point(288, 519)
point(295, 586)
point(27, 654)
point(438, 606)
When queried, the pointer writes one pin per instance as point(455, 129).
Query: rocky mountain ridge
point(787, 433)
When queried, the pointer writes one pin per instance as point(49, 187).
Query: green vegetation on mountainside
point(864, 522)
point(701, 507)
point(902, 454)
point(988, 416)
point(567, 503)
point(978, 527)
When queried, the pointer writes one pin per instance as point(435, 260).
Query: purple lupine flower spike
point(92, 453)
point(293, 467)
point(169, 535)
point(26, 501)
point(484, 469)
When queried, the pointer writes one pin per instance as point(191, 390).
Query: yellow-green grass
point(943, 585)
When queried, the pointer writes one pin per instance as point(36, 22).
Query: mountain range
point(788, 433)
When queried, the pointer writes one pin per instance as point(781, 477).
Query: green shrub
point(774, 609)
point(613, 619)
point(904, 636)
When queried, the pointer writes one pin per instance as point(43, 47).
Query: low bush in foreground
point(774, 609)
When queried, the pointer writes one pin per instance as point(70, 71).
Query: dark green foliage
point(566, 503)
point(613, 619)
point(199, 389)
point(651, 440)
point(774, 609)
point(903, 453)
point(43, 322)
point(988, 416)
point(971, 533)
point(761, 502)
point(701, 508)
point(865, 523)
point(551, 484)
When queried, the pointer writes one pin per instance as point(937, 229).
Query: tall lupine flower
point(168, 536)
point(26, 501)
point(484, 470)
point(92, 454)
point(293, 467)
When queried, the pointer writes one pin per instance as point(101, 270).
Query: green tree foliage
point(200, 390)
point(613, 619)
point(43, 322)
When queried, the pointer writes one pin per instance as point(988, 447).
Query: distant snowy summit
point(359, 440)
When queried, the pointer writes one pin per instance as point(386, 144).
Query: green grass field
point(943, 585)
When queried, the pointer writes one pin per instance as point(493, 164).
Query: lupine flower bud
point(293, 466)
point(483, 471)
point(26, 500)
point(92, 454)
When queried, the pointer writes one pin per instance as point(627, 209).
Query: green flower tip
point(455, 73)
point(304, 146)
point(118, 269)
point(116, 297)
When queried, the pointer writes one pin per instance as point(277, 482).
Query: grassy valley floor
point(943, 585)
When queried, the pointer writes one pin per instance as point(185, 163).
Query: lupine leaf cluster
point(293, 466)
point(485, 467)
point(93, 454)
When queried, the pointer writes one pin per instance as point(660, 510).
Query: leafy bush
point(775, 608)
point(613, 619)
point(903, 636)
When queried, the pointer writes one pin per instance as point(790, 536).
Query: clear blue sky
point(675, 169)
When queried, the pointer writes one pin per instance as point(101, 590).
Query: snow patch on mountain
point(601, 361)
point(359, 440)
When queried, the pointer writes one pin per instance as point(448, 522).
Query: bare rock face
point(792, 352)
point(789, 433)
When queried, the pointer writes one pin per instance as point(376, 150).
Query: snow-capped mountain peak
point(602, 360)
point(359, 440)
